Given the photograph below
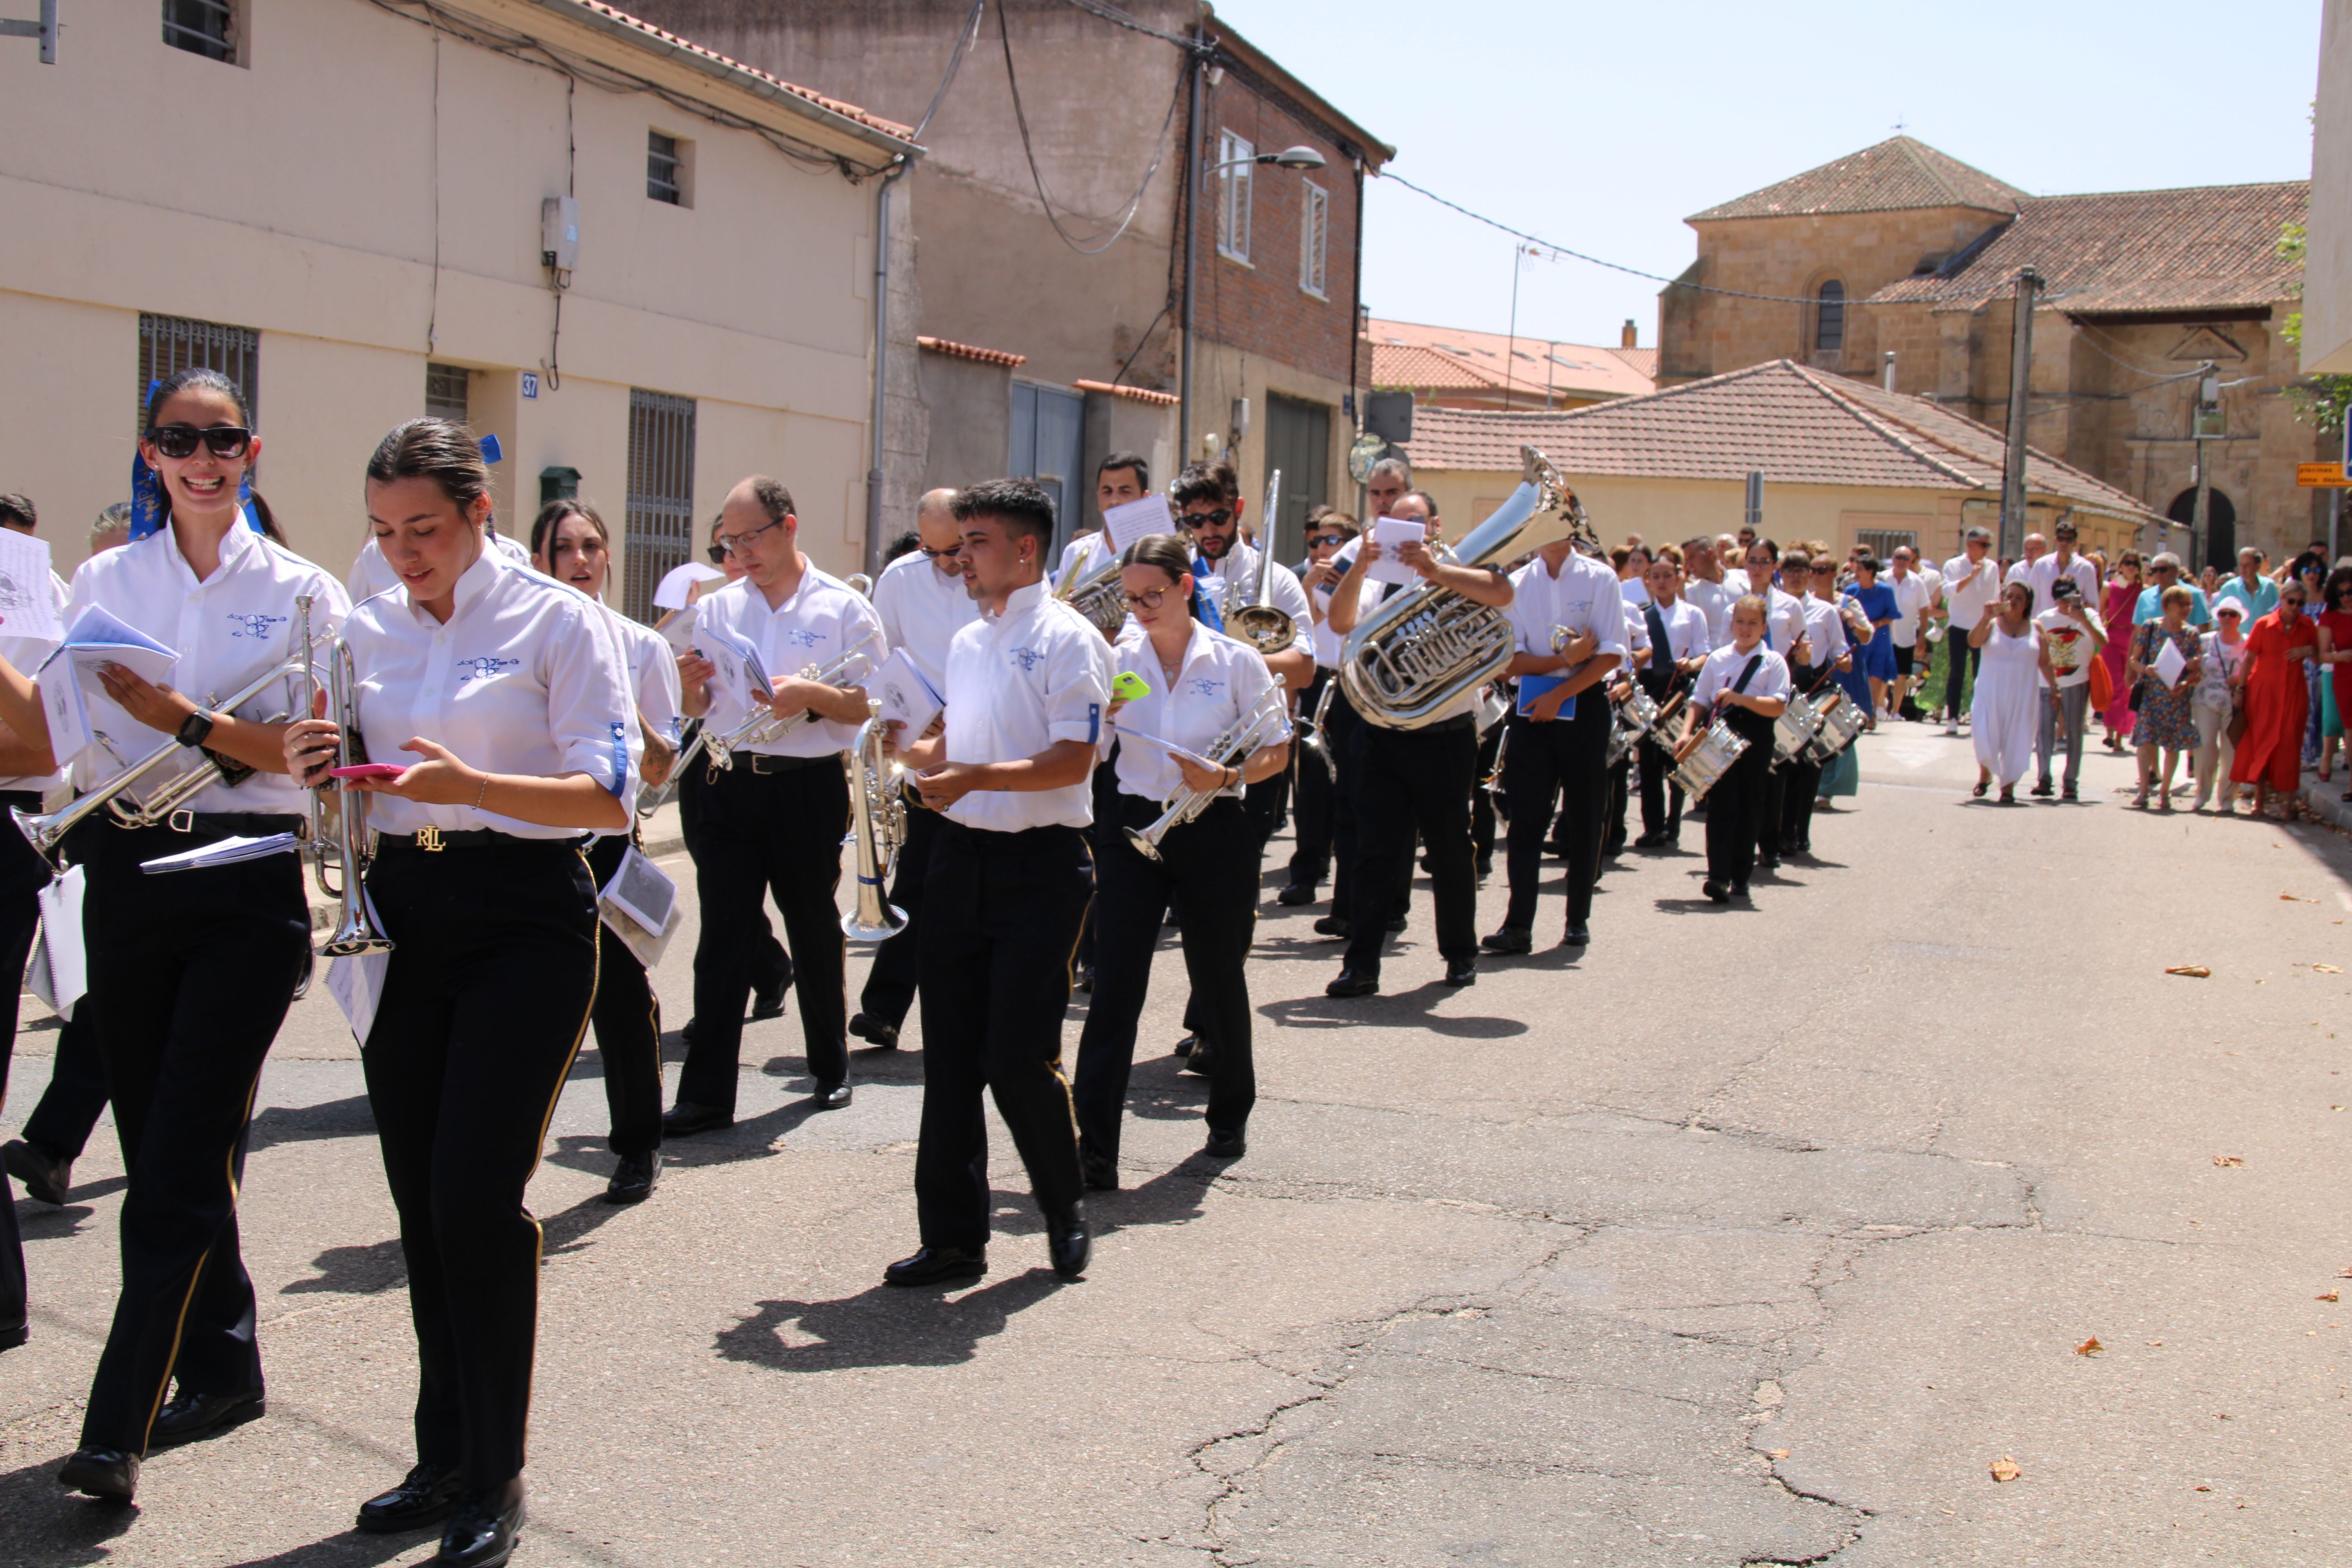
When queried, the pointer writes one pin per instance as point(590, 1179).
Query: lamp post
point(1298, 157)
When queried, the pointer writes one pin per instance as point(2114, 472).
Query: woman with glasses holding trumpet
point(189, 975)
point(1179, 835)
point(495, 718)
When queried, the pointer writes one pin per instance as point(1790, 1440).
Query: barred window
point(1829, 319)
point(1233, 184)
point(206, 27)
point(446, 388)
point(664, 169)
point(170, 344)
point(659, 532)
point(1314, 238)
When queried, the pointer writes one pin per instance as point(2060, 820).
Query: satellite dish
point(1369, 450)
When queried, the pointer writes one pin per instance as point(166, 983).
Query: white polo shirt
point(1784, 621)
point(1713, 600)
point(653, 674)
point(1583, 598)
point(1965, 600)
point(1721, 673)
point(1221, 679)
point(521, 679)
point(1686, 630)
point(1824, 631)
point(1238, 572)
point(227, 629)
point(921, 609)
point(1017, 683)
point(824, 618)
point(1913, 594)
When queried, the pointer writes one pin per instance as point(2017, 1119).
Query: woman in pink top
point(2123, 597)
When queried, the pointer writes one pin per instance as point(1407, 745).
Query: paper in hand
point(905, 696)
point(2170, 662)
point(1388, 533)
point(357, 982)
point(671, 592)
point(223, 852)
point(59, 686)
point(28, 605)
point(1129, 522)
point(737, 665)
point(1170, 747)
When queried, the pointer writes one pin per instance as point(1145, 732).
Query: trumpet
point(653, 797)
point(760, 726)
point(1258, 623)
point(356, 935)
point(878, 829)
point(1242, 737)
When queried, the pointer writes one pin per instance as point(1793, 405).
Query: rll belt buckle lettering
point(429, 838)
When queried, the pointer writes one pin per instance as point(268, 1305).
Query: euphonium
point(356, 935)
point(877, 828)
point(1258, 623)
point(1426, 646)
point(1232, 749)
point(1094, 589)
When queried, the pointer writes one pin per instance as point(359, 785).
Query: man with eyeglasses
point(1120, 477)
point(772, 822)
point(2164, 572)
point(1971, 581)
point(1310, 860)
point(922, 604)
point(1914, 595)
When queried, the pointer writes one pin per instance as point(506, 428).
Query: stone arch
point(2220, 526)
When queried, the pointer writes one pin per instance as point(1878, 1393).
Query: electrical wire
point(964, 41)
point(1029, 151)
point(1111, 13)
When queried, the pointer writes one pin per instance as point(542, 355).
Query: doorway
point(1049, 428)
point(2220, 526)
point(1298, 442)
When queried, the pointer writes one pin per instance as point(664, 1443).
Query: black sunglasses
point(1212, 519)
point(931, 554)
point(718, 555)
point(1316, 539)
point(180, 440)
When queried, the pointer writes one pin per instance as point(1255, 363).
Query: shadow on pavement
point(884, 1326)
point(367, 1270)
point(277, 1124)
point(349, 1550)
point(1412, 1009)
point(44, 1527)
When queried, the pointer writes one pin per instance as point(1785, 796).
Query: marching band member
point(1746, 684)
point(190, 973)
point(1825, 635)
point(1203, 684)
point(773, 822)
point(1674, 631)
point(1027, 684)
point(1120, 477)
point(570, 544)
point(922, 604)
point(1312, 857)
point(1548, 755)
point(512, 701)
point(1784, 632)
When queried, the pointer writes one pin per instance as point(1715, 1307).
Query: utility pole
point(2021, 377)
point(2207, 419)
point(1201, 52)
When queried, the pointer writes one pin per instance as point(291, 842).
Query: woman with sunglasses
point(1201, 684)
point(2279, 648)
point(570, 544)
point(191, 973)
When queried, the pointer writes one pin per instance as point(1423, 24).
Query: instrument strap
point(1755, 660)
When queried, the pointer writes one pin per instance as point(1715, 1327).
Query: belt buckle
point(182, 821)
point(429, 840)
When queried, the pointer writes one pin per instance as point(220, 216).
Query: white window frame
point(1233, 190)
point(1314, 238)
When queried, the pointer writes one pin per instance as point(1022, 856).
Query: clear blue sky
point(1601, 127)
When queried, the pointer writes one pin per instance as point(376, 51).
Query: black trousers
point(771, 968)
point(1415, 779)
point(1961, 662)
point(1621, 801)
point(1662, 799)
point(1212, 860)
point(627, 1018)
point(22, 875)
point(889, 993)
point(1801, 788)
point(768, 834)
point(1344, 735)
point(1310, 857)
point(1736, 805)
point(1103, 786)
point(69, 1107)
point(1773, 799)
point(485, 1000)
point(190, 976)
point(1001, 917)
point(1564, 759)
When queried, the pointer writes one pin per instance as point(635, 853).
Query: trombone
point(1230, 750)
point(356, 935)
point(1258, 623)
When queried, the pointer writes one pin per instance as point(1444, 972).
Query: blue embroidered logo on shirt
point(1201, 686)
point(1028, 658)
point(254, 625)
point(483, 669)
point(804, 639)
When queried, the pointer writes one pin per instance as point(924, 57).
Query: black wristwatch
point(196, 729)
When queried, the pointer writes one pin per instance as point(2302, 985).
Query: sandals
point(2009, 794)
point(1984, 784)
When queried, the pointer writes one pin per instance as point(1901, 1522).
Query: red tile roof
point(967, 351)
point(1897, 174)
point(2205, 247)
point(1410, 354)
point(1795, 424)
point(1135, 394)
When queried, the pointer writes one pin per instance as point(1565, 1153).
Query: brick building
point(1901, 249)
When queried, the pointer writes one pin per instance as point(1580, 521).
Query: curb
point(2325, 801)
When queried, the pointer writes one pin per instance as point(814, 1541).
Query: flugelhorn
point(356, 935)
point(1258, 623)
point(1094, 588)
point(877, 828)
point(1231, 750)
point(1312, 738)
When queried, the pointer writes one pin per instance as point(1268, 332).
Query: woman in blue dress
point(1873, 661)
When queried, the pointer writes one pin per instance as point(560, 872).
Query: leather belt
point(433, 840)
point(763, 762)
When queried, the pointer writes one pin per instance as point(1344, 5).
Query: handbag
point(2145, 683)
point(2102, 686)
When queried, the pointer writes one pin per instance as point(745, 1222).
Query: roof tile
point(954, 350)
point(1899, 174)
point(1448, 359)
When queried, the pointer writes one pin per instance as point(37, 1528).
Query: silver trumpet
point(1232, 749)
point(1258, 623)
point(653, 797)
point(878, 829)
point(356, 932)
point(760, 726)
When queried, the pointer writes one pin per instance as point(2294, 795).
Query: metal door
point(1298, 442)
point(1048, 428)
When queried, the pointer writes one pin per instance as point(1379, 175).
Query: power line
point(964, 40)
point(1029, 151)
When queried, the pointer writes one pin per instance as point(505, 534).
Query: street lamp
point(1299, 157)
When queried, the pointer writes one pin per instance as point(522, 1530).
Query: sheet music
point(28, 605)
point(1126, 523)
point(1388, 533)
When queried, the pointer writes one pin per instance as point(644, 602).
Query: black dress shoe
point(831, 1096)
point(1396, 926)
point(1461, 971)
point(1738, 889)
point(1296, 894)
point(1352, 984)
point(765, 1003)
point(192, 1418)
point(1486, 865)
point(12, 1336)
point(1510, 939)
point(1226, 1143)
point(1768, 862)
point(1334, 925)
point(1578, 934)
point(1100, 1171)
point(1654, 841)
point(1083, 980)
point(686, 1119)
point(938, 1265)
point(1183, 1047)
point(1717, 893)
point(875, 1032)
point(686, 1032)
point(49, 1180)
point(634, 1178)
point(100, 1472)
point(428, 1495)
point(1067, 1246)
point(1197, 1064)
point(481, 1534)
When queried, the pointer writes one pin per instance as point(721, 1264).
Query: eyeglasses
point(1825, 571)
point(1320, 539)
point(1149, 601)
point(730, 545)
point(931, 554)
point(1217, 519)
point(180, 440)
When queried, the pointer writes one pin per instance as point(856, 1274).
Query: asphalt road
point(1750, 1236)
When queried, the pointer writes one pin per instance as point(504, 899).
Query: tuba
point(877, 829)
point(1232, 749)
point(1258, 623)
point(1096, 591)
point(1407, 661)
point(356, 935)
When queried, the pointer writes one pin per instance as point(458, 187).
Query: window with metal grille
point(659, 533)
point(206, 27)
point(664, 169)
point(169, 344)
point(1233, 195)
point(1828, 318)
point(1883, 541)
point(1314, 237)
point(446, 388)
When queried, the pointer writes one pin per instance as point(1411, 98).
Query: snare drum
point(1709, 760)
point(1629, 721)
point(1841, 723)
point(1793, 732)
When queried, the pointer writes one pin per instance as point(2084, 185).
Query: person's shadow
point(1413, 1009)
point(887, 1325)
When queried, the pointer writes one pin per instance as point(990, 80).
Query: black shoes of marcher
point(1296, 894)
point(938, 1265)
point(686, 1119)
point(1099, 1170)
point(481, 1534)
point(2068, 793)
point(634, 1178)
point(13, 1335)
point(1654, 841)
point(1510, 939)
point(1486, 867)
point(1396, 926)
point(192, 1418)
point(831, 1096)
point(49, 1180)
point(875, 1032)
point(1067, 1246)
point(1183, 1047)
point(1197, 1064)
point(107, 1473)
point(428, 1495)
point(1083, 980)
point(1226, 1143)
point(1739, 890)
point(1334, 925)
point(1461, 971)
point(764, 1004)
point(1717, 893)
point(1578, 934)
point(1352, 984)
point(1768, 862)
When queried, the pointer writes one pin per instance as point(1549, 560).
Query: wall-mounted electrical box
point(559, 233)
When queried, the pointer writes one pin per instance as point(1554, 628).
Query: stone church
point(1902, 253)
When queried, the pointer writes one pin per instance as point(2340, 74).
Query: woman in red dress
point(2123, 598)
point(2278, 699)
point(2333, 614)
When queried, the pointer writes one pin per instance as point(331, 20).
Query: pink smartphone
point(367, 771)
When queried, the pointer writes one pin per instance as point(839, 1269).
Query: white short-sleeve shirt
point(1583, 596)
point(921, 609)
point(1017, 683)
point(1239, 571)
point(1824, 631)
point(824, 618)
point(1721, 672)
point(1913, 594)
point(1221, 680)
point(1686, 629)
point(1966, 600)
point(1713, 601)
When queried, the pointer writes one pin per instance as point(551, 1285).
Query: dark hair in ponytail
point(436, 450)
point(204, 378)
point(542, 527)
point(1164, 552)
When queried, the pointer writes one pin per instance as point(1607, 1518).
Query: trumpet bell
point(857, 927)
point(1143, 844)
point(1263, 628)
point(41, 831)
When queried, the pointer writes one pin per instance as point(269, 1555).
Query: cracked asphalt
point(1749, 1236)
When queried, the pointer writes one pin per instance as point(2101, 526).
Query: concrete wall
point(2327, 265)
point(1221, 374)
point(315, 222)
point(971, 405)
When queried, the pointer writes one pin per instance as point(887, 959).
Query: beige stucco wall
point(2327, 264)
point(1221, 374)
point(313, 220)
